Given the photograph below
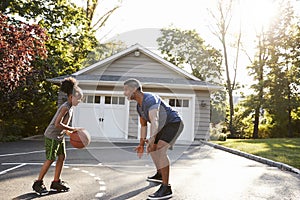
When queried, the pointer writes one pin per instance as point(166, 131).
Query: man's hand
point(139, 150)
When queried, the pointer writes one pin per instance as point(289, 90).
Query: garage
point(107, 114)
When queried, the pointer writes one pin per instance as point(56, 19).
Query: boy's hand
point(68, 133)
point(139, 150)
point(77, 129)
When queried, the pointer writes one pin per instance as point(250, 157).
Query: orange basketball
point(80, 139)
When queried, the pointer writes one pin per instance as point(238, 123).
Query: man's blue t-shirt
point(166, 113)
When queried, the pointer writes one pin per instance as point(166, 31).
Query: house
point(106, 113)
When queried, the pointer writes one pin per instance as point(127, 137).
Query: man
point(166, 126)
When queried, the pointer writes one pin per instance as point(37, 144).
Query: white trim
point(145, 51)
point(102, 92)
point(153, 85)
point(106, 60)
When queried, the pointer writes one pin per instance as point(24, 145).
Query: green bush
point(217, 132)
point(11, 131)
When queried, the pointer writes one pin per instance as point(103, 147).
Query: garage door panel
point(87, 117)
point(104, 116)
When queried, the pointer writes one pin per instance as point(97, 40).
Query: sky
point(139, 21)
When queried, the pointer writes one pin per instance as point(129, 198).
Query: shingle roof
point(119, 80)
point(191, 81)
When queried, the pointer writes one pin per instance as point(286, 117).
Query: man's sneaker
point(164, 192)
point(59, 186)
point(156, 178)
point(39, 187)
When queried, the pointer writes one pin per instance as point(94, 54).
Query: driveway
point(112, 171)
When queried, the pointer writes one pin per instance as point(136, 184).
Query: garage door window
point(115, 100)
point(92, 99)
point(179, 102)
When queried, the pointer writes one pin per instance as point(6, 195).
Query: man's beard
point(131, 97)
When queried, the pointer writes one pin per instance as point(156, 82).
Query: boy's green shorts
point(54, 148)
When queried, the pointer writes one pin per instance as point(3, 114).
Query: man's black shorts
point(170, 132)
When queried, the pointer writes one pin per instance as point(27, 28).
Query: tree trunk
point(256, 123)
point(229, 88)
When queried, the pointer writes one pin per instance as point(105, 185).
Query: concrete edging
point(269, 162)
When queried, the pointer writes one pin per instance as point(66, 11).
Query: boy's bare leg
point(44, 169)
point(58, 167)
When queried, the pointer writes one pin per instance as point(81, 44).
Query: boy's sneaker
point(39, 187)
point(156, 178)
point(164, 192)
point(59, 186)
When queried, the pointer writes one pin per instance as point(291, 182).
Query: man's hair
point(134, 83)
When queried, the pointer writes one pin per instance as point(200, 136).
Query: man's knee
point(162, 145)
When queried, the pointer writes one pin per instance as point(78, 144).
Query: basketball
point(80, 139)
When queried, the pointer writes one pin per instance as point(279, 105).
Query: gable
point(135, 66)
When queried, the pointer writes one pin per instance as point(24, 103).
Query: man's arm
point(140, 148)
point(153, 117)
point(143, 135)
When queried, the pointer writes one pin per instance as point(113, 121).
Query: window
point(179, 102)
point(97, 99)
point(90, 99)
point(122, 100)
point(107, 99)
point(115, 100)
point(185, 103)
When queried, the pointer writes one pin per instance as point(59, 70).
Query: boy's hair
point(69, 86)
point(134, 83)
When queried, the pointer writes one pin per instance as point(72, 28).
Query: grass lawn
point(285, 150)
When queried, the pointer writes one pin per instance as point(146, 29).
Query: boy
point(54, 138)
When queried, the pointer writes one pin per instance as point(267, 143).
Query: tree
point(282, 73)
point(222, 18)
point(185, 48)
point(91, 6)
point(275, 69)
point(70, 41)
point(20, 45)
point(258, 71)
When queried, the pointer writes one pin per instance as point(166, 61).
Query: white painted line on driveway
point(10, 169)
point(23, 153)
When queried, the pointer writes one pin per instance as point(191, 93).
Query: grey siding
point(133, 121)
point(135, 66)
point(202, 115)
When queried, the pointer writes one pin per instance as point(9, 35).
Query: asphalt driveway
point(112, 171)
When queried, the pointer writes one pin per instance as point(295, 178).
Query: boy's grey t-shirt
point(166, 113)
point(52, 132)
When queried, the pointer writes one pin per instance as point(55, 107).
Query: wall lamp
point(203, 104)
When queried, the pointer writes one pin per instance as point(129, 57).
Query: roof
point(190, 81)
point(142, 50)
point(146, 81)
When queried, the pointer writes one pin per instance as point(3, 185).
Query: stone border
point(269, 162)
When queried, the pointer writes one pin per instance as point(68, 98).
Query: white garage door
point(184, 106)
point(104, 116)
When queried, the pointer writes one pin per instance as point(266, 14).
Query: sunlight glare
point(258, 13)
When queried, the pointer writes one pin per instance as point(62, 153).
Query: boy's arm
point(59, 121)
